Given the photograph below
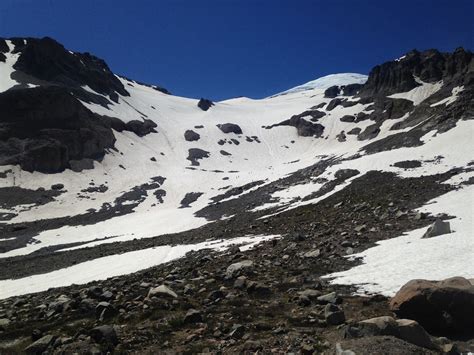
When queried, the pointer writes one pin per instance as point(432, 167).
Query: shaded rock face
point(345, 90)
point(47, 60)
point(140, 128)
point(439, 306)
point(42, 129)
point(430, 66)
point(205, 104)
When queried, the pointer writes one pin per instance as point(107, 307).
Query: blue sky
point(227, 48)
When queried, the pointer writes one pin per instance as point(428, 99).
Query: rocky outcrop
point(230, 128)
point(344, 90)
point(47, 129)
point(47, 60)
point(429, 66)
point(205, 104)
point(42, 129)
point(191, 136)
point(304, 128)
point(439, 306)
point(195, 154)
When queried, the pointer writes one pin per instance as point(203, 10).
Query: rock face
point(47, 60)
point(430, 66)
point(439, 306)
point(43, 128)
point(205, 104)
point(345, 90)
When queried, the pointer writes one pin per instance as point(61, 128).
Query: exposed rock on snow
point(195, 154)
point(191, 136)
point(439, 227)
point(230, 128)
point(205, 104)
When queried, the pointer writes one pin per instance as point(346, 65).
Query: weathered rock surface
point(439, 306)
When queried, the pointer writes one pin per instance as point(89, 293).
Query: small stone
point(237, 331)
point(312, 254)
point(329, 298)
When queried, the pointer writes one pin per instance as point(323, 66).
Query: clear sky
point(226, 48)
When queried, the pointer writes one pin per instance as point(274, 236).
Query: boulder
point(162, 291)
point(439, 306)
point(384, 325)
point(439, 227)
point(205, 104)
point(405, 329)
point(233, 269)
point(193, 316)
point(412, 332)
point(332, 92)
point(104, 334)
point(329, 298)
point(333, 314)
point(191, 136)
point(105, 310)
point(4, 323)
point(230, 128)
point(39, 346)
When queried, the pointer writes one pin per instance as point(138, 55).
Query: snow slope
point(328, 81)
point(392, 263)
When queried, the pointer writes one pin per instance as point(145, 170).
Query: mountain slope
point(331, 183)
point(133, 171)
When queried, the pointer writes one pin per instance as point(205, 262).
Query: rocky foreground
point(271, 298)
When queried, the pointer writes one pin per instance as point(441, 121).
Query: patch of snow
point(116, 265)
point(392, 263)
point(420, 93)
point(6, 69)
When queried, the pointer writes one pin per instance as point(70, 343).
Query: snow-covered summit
point(327, 81)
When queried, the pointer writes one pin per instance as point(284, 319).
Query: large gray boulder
point(439, 227)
